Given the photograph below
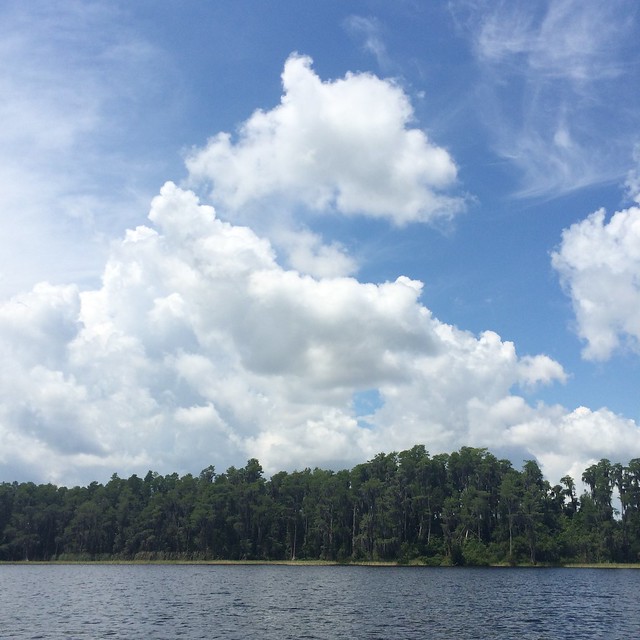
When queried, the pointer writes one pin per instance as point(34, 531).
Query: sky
point(310, 232)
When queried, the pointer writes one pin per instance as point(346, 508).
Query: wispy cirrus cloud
point(578, 41)
point(546, 92)
point(74, 80)
point(370, 30)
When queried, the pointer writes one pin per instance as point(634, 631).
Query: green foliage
point(464, 508)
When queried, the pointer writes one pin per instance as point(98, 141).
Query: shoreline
point(317, 563)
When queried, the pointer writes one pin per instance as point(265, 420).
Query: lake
point(275, 602)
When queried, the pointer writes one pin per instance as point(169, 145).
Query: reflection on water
point(283, 602)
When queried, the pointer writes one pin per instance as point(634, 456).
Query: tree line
point(467, 507)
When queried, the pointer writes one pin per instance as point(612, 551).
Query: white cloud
point(540, 369)
point(632, 182)
point(556, 436)
point(555, 81)
point(74, 79)
point(200, 348)
point(370, 29)
point(571, 39)
point(307, 252)
point(345, 144)
point(598, 263)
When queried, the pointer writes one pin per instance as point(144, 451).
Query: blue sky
point(310, 232)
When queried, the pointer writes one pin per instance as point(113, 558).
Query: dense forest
point(467, 507)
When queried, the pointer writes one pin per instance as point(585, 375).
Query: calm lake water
point(282, 602)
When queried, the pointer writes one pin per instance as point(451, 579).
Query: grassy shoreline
point(318, 563)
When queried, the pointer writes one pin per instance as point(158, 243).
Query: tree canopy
point(467, 507)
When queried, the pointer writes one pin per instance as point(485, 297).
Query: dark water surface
point(283, 602)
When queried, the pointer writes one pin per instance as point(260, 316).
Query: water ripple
point(323, 603)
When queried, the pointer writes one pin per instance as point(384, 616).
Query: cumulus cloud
point(346, 145)
point(307, 252)
point(555, 436)
point(199, 347)
point(598, 262)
